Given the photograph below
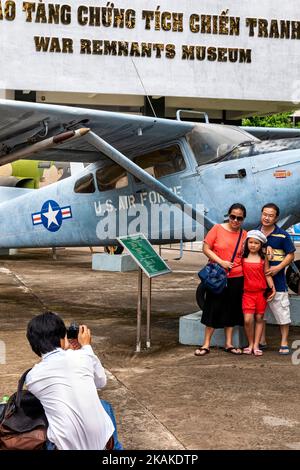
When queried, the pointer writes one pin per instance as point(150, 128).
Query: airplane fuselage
point(56, 215)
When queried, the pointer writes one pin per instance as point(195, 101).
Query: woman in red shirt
point(225, 310)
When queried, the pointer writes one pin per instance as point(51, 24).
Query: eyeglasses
point(239, 218)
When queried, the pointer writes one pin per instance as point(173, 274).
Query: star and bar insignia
point(51, 215)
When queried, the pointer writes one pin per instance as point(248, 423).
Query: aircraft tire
point(293, 278)
point(200, 296)
point(114, 249)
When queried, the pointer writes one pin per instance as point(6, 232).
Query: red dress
point(255, 285)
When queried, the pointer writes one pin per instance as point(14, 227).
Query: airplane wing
point(108, 136)
point(270, 133)
point(23, 124)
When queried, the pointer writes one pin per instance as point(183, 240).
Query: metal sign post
point(148, 338)
point(139, 312)
point(152, 265)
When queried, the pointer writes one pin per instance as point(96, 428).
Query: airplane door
point(163, 220)
point(160, 220)
point(219, 185)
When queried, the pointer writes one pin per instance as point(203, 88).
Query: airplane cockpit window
point(161, 162)
point(111, 177)
point(215, 142)
point(262, 148)
point(85, 184)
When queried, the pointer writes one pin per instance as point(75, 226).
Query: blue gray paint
point(207, 184)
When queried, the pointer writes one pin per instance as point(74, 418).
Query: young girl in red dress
point(254, 301)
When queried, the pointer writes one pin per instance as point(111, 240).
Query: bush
point(275, 120)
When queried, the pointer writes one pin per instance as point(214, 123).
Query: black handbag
point(23, 423)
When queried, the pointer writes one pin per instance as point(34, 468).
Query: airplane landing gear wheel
point(293, 278)
point(200, 296)
point(114, 249)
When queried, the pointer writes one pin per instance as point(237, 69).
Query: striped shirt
point(281, 243)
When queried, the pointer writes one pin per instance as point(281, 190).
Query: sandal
point(247, 351)
point(257, 352)
point(233, 350)
point(198, 351)
point(284, 350)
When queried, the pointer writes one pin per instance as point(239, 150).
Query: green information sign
point(144, 255)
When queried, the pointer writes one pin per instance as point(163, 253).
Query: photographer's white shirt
point(66, 383)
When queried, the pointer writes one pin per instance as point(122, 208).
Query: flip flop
point(247, 351)
point(230, 350)
point(285, 350)
point(263, 346)
point(198, 353)
point(257, 352)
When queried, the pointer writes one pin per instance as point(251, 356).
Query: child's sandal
point(247, 351)
point(257, 352)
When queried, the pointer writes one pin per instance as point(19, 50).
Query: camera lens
point(72, 331)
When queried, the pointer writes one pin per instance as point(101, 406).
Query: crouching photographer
point(66, 382)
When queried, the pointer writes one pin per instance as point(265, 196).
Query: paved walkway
point(165, 398)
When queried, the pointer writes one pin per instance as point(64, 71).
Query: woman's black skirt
point(225, 309)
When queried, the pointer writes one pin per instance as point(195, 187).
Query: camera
point(72, 331)
point(268, 291)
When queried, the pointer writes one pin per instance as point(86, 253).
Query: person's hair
point(247, 251)
point(271, 205)
point(238, 206)
point(44, 332)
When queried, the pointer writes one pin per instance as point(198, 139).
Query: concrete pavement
point(165, 398)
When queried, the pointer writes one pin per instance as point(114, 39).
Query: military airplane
point(137, 165)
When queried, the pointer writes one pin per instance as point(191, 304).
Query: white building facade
point(231, 59)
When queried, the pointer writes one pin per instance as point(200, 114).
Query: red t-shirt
point(222, 243)
point(254, 276)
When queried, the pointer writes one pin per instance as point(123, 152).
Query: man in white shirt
point(66, 382)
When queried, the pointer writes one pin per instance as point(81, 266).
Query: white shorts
point(280, 307)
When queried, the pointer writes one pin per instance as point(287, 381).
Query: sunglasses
point(239, 218)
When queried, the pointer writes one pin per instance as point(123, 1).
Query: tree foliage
point(275, 120)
